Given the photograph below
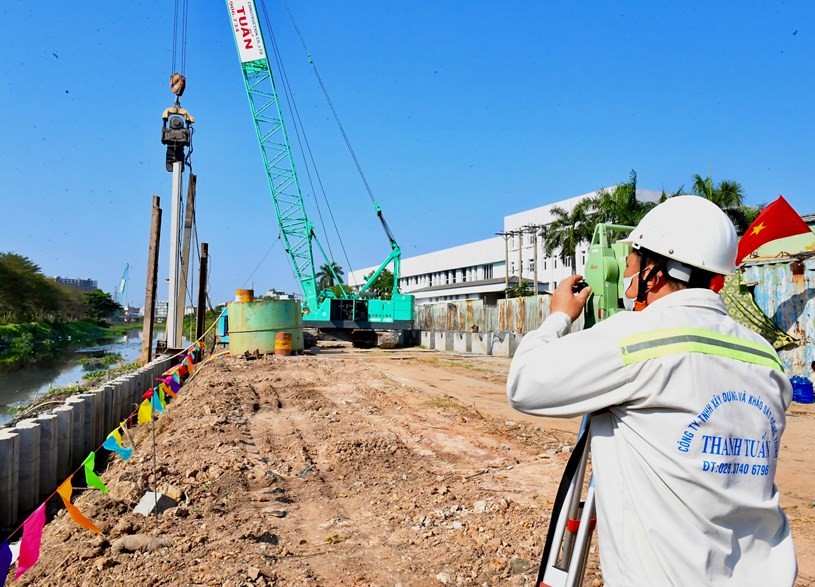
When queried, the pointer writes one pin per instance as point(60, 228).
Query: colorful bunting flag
point(165, 387)
point(32, 540)
point(156, 404)
point(161, 397)
point(5, 561)
point(182, 370)
point(174, 385)
point(145, 412)
point(114, 443)
point(91, 478)
point(65, 491)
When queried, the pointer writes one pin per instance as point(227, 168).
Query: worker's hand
point(572, 304)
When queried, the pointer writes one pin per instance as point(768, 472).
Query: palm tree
point(729, 196)
point(619, 205)
point(568, 230)
point(327, 274)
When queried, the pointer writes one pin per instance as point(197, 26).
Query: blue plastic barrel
point(802, 390)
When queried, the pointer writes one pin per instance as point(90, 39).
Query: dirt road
point(346, 468)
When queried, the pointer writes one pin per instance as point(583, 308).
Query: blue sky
point(459, 112)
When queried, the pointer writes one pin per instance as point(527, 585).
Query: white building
point(479, 269)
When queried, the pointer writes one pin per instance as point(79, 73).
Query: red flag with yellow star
point(778, 220)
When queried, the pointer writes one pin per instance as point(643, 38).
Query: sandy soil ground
point(348, 467)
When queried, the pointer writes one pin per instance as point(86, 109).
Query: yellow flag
point(145, 412)
point(117, 435)
point(65, 491)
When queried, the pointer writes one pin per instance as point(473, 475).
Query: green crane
point(354, 310)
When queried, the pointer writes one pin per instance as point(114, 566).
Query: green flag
point(91, 478)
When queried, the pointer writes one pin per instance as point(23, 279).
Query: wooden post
point(201, 313)
point(150, 288)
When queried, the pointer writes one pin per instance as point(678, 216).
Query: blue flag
point(112, 444)
point(5, 561)
point(155, 401)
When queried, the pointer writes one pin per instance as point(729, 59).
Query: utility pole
point(201, 310)
point(520, 233)
point(535, 256)
point(150, 287)
point(506, 260)
point(189, 215)
point(176, 133)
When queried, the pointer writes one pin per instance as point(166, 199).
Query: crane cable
point(300, 128)
point(331, 104)
point(178, 81)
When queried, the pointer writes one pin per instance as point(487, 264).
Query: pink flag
point(32, 539)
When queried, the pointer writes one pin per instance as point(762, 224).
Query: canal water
point(22, 386)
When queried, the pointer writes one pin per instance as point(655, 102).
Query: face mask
point(628, 303)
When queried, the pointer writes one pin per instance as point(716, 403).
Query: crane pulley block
point(178, 83)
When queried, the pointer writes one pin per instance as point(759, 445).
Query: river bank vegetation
point(39, 316)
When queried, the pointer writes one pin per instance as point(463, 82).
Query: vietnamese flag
point(778, 220)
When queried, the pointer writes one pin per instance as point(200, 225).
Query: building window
point(554, 262)
point(531, 265)
point(544, 264)
point(487, 271)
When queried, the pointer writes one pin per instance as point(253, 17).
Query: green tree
point(729, 196)
point(26, 294)
point(523, 289)
point(341, 289)
point(99, 305)
point(382, 287)
point(619, 205)
point(326, 275)
point(568, 230)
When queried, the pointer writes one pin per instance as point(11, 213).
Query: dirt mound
point(335, 469)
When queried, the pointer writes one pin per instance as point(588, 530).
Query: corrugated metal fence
point(515, 314)
point(785, 291)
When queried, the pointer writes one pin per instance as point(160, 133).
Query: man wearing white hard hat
point(687, 411)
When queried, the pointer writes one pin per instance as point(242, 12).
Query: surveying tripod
point(566, 552)
point(567, 542)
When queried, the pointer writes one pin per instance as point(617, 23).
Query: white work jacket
point(685, 446)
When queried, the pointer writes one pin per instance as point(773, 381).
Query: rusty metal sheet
point(785, 292)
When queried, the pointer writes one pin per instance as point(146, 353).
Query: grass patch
point(444, 401)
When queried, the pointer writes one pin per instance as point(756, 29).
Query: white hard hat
point(691, 230)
